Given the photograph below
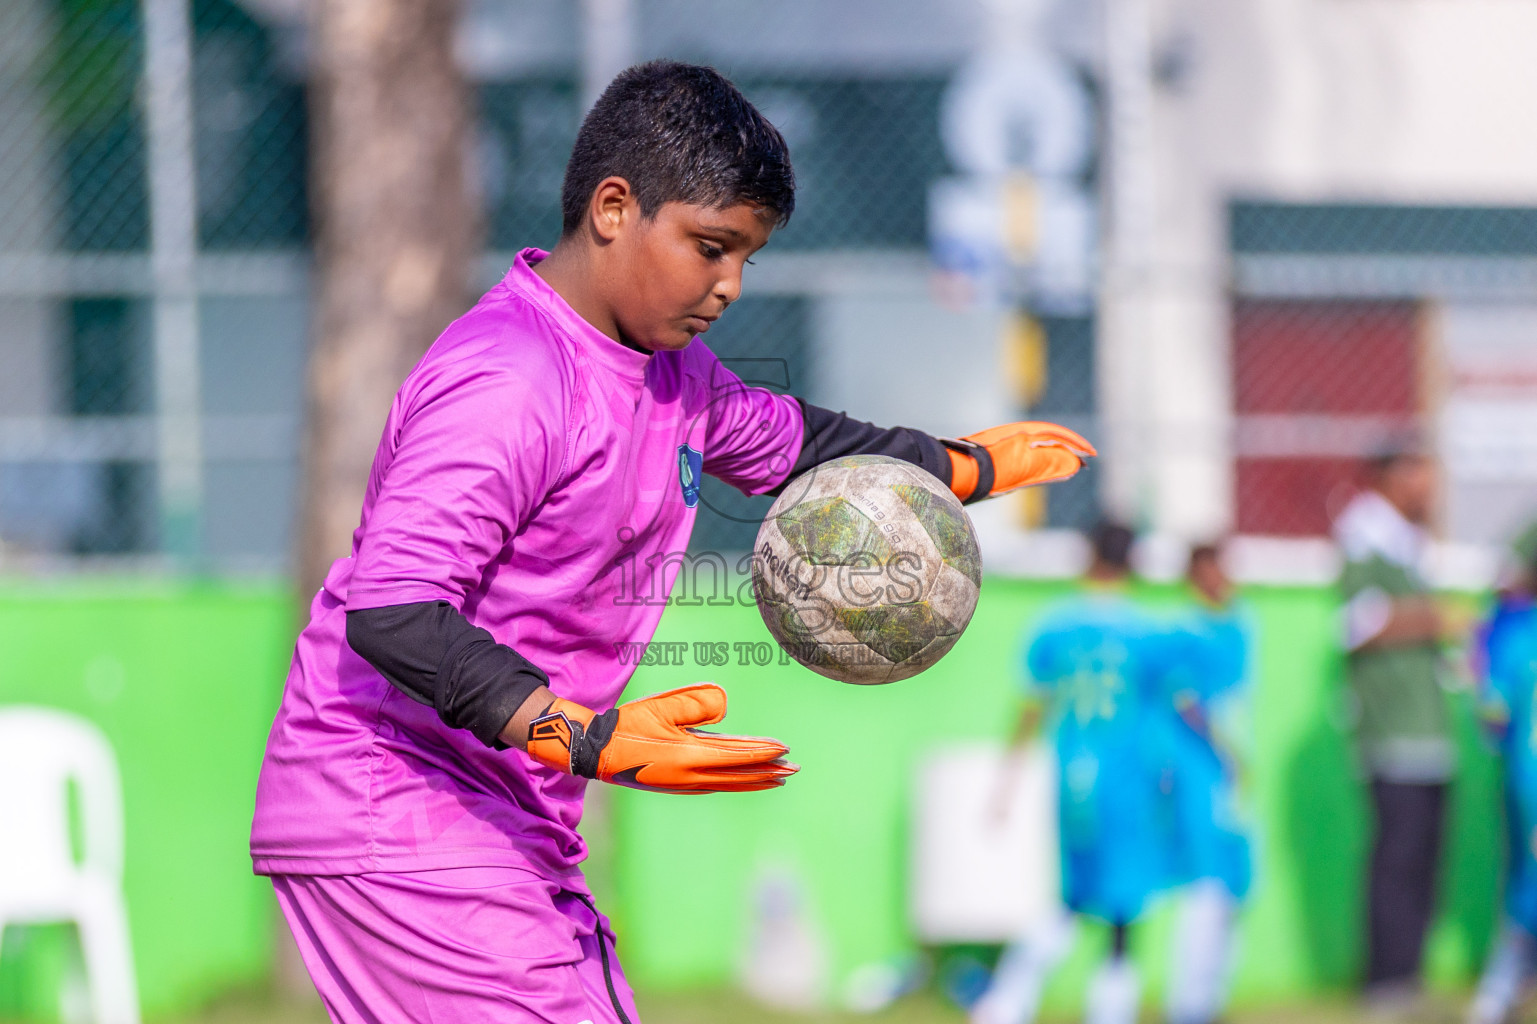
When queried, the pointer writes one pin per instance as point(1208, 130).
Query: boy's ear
point(613, 204)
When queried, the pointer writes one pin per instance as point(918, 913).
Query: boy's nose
point(729, 288)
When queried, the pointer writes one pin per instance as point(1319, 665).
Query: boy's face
point(675, 273)
point(1409, 482)
point(1209, 580)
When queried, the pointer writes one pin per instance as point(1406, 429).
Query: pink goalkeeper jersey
point(529, 466)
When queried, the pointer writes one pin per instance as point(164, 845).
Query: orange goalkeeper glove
point(1014, 455)
point(651, 743)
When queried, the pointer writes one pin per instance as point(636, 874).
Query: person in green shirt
point(1393, 631)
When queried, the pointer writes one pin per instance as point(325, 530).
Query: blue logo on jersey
point(690, 468)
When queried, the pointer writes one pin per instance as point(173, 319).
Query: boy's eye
point(713, 252)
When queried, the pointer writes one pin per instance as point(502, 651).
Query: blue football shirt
point(1100, 664)
point(1210, 685)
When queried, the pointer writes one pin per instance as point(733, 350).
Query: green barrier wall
point(184, 681)
point(683, 873)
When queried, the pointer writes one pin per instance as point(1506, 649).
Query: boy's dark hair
point(1207, 552)
point(678, 132)
point(1395, 450)
point(1112, 544)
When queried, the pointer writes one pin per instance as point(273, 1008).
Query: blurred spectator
point(1393, 630)
point(1096, 672)
point(1208, 751)
point(1507, 657)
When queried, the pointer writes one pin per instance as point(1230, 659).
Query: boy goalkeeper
point(454, 689)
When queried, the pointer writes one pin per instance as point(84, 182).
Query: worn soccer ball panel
point(866, 569)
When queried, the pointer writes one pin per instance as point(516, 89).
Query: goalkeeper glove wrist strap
point(970, 463)
point(570, 738)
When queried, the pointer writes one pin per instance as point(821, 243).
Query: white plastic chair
point(41, 753)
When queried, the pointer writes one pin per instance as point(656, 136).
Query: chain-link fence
point(134, 302)
point(1359, 328)
point(89, 366)
point(120, 121)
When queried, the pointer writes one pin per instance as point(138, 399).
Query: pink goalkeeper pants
point(455, 946)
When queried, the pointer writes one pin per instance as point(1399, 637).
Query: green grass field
point(721, 1007)
point(151, 665)
point(676, 875)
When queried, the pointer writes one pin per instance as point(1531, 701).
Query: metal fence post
point(608, 45)
point(173, 253)
point(1123, 364)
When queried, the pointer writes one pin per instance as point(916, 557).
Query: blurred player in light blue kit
point(1209, 747)
point(1508, 653)
point(1097, 675)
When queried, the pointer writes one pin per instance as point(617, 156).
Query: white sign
point(979, 875)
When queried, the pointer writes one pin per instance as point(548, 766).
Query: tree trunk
point(397, 228)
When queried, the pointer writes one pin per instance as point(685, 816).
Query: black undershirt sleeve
point(832, 435)
point(432, 654)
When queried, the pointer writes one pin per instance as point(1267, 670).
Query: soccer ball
point(866, 569)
